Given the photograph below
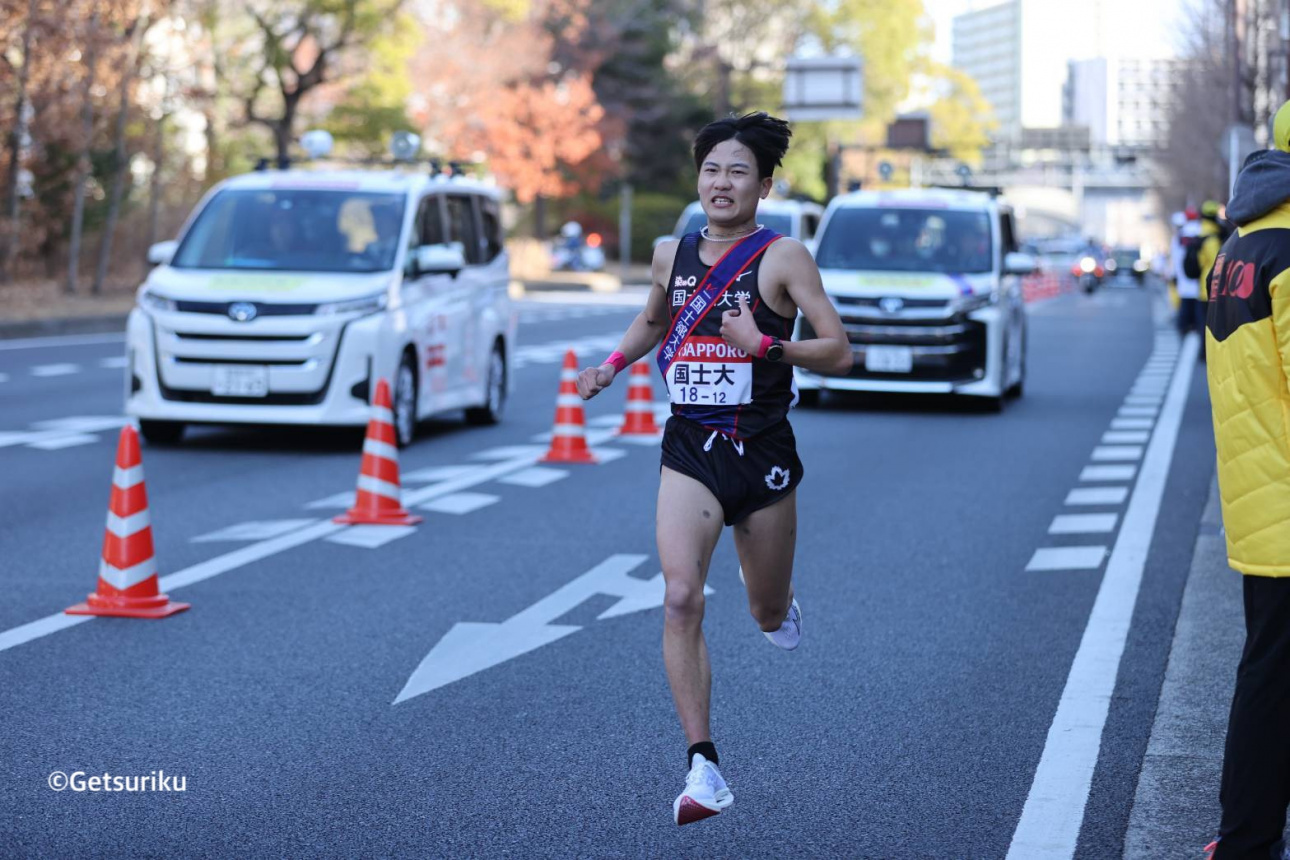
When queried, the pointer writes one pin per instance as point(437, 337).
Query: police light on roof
point(405, 146)
point(316, 143)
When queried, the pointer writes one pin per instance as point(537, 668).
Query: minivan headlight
point(365, 305)
point(967, 304)
point(153, 302)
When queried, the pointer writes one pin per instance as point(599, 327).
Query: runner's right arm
point(645, 332)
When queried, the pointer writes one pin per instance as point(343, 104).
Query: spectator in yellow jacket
point(1248, 338)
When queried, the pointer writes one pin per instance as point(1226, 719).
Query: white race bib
point(710, 372)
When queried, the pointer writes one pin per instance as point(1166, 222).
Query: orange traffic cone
point(638, 419)
point(378, 501)
point(128, 584)
point(569, 438)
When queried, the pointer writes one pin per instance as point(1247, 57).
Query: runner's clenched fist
point(595, 379)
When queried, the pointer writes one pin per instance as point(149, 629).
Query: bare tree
point(83, 159)
point(129, 72)
point(17, 141)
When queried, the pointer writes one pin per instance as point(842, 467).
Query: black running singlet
point(713, 385)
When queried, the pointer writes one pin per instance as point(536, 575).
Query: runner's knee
point(683, 602)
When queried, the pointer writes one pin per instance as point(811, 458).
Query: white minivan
point(928, 285)
point(289, 293)
point(797, 219)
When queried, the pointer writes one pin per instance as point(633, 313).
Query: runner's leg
point(689, 525)
point(765, 542)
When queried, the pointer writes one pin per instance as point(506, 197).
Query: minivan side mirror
point(1017, 263)
point(445, 259)
point(162, 253)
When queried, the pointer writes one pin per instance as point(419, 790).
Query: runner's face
point(728, 185)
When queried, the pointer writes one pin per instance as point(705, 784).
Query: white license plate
point(241, 381)
point(888, 359)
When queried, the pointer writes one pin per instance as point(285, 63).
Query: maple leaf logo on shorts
point(777, 479)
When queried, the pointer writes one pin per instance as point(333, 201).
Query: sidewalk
point(1175, 811)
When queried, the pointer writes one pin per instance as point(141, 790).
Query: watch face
point(774, 352)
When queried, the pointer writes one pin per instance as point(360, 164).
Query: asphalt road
point(912, 722)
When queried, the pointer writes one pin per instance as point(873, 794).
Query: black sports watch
point(775, 351)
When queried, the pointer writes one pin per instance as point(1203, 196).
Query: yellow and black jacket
point(1248, 355)
point(1210, 244)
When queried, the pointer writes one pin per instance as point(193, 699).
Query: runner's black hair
point(765, 135)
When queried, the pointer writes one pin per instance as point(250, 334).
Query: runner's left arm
point(829, 351)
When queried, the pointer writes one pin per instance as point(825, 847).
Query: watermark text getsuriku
point(157, 781)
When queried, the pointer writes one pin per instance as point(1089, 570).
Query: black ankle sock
point(704, 748)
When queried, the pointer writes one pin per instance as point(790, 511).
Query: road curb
point(63, 325)
point(1175, 809)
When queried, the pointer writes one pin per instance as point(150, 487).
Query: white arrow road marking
point(459, 503)
point(46, 370)
point(471, 647)
point(57, 443)
point(436, 473)
point(370, 536)
point(255, 530)
point(63, 432)
point(263, 549)
point(538, 476)
point(4, 377)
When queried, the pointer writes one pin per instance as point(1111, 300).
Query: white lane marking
point(115, 362)
point(370, 536)
point(538, 476)
point(48, 370)
point(257, 551)
point(459, 503)
point(436, 473)
point(67, 340)
point(1108, 473)
point(84, 423)
point(1103, 453)
point(336, 500)
point(1082, 524)
point(608, 455)
point(36, 629)
point(508, 452)
point(1120, 437)
point(1054, 810)
point(252, 531)
point(605, 421)
point(1067, 558)
point(1097, 496)
point(471, 647)
point(1132, 424)
point(644, 441)
point(1138, 411)
point(57, 443)
point(1143, 400)
point(4, 377)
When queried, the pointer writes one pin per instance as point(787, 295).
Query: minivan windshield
point(298, 230)
point(782, 224)
point(906, 240)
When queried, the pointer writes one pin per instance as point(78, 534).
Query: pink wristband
point(618, 360)
point(766, 341)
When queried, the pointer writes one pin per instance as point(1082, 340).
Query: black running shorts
point(766, 471)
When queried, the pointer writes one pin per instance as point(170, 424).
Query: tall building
point(1018, 50)
point(1122, 101)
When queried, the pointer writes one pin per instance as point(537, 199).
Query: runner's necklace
point(703, 231)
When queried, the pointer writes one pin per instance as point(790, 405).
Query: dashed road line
point(1067, 558)
point(1104, 453)
point(1054, 810)
point(1108, 473)
point(1121, 437)
point(1097, 496)
point(1082, 524)
point(459, 503)
point(48, 370)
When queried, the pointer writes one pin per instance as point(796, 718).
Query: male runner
point(728, 451)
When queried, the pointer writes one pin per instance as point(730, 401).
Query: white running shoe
point(705, 793)
point(789, 634)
